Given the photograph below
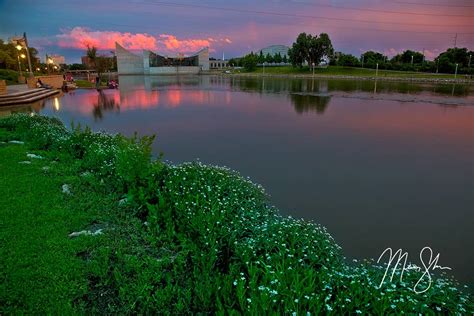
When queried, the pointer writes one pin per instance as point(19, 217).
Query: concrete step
point(29, 99)
point(28, 95)
point(22, 93)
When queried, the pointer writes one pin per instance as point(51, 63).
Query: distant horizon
point(237, 27)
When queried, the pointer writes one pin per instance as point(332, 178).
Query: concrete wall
point(55, 81)
point(189, 70)
point(128, 63)
point(3, 87)
point(204, 59)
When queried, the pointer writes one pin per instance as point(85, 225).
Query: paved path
point(14, 88)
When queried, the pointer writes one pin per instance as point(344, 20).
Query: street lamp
point(19, 47)
point(313, 64)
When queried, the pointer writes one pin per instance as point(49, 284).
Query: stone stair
point(27, 96)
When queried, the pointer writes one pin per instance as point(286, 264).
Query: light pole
point(412, 60)
point(377, 70)
point(469, 64)
point(264, 67)
point(313, 68)
point(456, 71)
point(18, 47)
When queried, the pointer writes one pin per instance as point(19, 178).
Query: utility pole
point(362, 61)
point(455, 39)
point(423, 56)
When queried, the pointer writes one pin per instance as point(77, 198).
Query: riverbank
point(351, 73)
point(120, 232)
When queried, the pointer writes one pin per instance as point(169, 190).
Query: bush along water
point(193, 238)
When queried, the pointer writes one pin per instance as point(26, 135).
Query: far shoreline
point(345, 77)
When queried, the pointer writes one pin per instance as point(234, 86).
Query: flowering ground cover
point(90, 223)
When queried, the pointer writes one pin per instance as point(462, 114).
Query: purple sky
point(237, 27)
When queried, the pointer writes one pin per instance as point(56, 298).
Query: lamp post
point(456, 71)
point(412, 60)
point(313, 68)
point(18, 47)
point(469, 64)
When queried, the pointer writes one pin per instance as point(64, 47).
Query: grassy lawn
point(186, 239)
point(42, 270)
point(350, 71)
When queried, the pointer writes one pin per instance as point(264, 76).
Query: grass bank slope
point(156, 238)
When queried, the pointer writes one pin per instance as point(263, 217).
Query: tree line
point(309, 50)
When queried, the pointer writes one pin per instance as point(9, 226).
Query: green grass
point(41, 271)
point(187, 239)
point(88, 84)
point(350, 71)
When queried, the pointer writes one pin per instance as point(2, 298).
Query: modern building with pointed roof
point(151, 63)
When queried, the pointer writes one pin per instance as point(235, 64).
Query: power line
point(161, 3)
point(435, 5)
point(386, 11)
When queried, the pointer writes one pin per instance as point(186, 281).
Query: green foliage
point(10, 76)
point(190, 239)
point(9, 56)
point(310, 49)
point(370, 59)
point(249, 62)
point(77, 67)
point(347, 60)
point(406, 57)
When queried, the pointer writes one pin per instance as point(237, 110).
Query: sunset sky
point(237, 27)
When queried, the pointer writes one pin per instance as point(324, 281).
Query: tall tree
point(277, 58)
point(310, 49)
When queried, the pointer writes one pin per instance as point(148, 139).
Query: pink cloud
point(81, 37)
point(171, 43)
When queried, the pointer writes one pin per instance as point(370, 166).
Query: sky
point(236, 27)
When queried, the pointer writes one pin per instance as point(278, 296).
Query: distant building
point(58, 59)
point(151, 63)
point(218, 63)
point(86, 61)
point(275, 49)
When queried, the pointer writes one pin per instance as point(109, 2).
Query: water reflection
point(307, 103)
point(104, 103)
point(34, 107)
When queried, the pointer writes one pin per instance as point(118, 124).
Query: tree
point(347, 60)
point(371, 58)
point(285, 59)
point(405, 57)
point(91, 53)
point(261, 58)
point(268, 58)
point(319, 47)
point(299, 51)
point(249, 62)
point(310, 49)
point(447, 60)
point(277, 58)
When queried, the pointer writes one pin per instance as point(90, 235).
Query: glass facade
point(161, 61)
